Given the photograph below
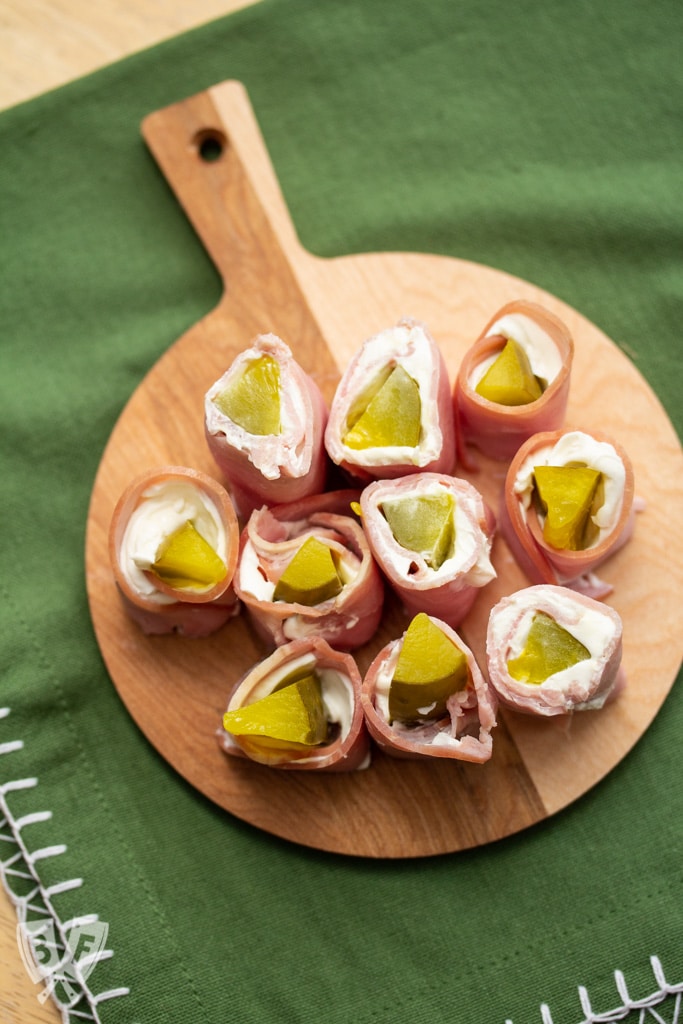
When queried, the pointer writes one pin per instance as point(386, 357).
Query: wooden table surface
point(44, 44)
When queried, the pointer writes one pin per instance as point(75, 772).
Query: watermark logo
point(61, 964)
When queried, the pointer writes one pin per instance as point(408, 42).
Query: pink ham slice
point(498, 430)
point(587, 685)
point(450, 591)
point(163, 609)
point(270, 540)
point(410, 346)
point(349, 747)
point(465, 734)
point(523, 532)
point(271, 468)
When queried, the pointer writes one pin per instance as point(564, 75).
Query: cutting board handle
point(213, 156)
point(211, 152)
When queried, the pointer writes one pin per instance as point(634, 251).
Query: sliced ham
point(588, 684)
point(498, 430)
point(464, 734)
point(270, 468)
point(410, 346)
point(520, 519)
point(449, 591)
point(153, 505)
point(269, 541)
point(348, 745)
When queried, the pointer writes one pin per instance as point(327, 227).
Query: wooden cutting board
point(210, 150)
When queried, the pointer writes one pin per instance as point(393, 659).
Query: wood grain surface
point(177, 689)
point(45, 44)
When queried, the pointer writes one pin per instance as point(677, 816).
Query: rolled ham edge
point(195, 613)
point(566, 606)
point(447, 595)
point(346, 621)
point(347, 753)
point(438, 403)
point(434, 740)
point(537, 559)
point(498, 430)
point(297, 461)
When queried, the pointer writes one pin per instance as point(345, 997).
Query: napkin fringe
point(629, 1006)
point(42, 937)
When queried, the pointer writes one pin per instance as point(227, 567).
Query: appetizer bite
point(392, 413)
point(173, 546)
point(264, 421)
point(299, 709)
point(305, 568)
point(568, 505)
point(431, 535)
point(551, 651)
point(513, 382)
point(425, 696)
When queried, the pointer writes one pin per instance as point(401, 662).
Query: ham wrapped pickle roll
point(431, 534)
point(264, 423)
point(392, 412)
point(299, 708)
point(551, 651)
point(173, 545)
point(306, 567)
point(514, 381)
point(568, 505)
point(425, 696)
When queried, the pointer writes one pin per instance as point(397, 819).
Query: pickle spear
point(424, 523)
point(186, 561)
point(549, 648)
point(510, 380)
point(391, 418)
point(567, 494)
point(311, 576)
point(252, 401)
point(429, 669)
point(289, 718)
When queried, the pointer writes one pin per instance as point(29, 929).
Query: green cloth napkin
point(540, 138)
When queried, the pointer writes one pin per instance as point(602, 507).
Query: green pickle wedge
point(311, 576)
point(252, 401)
point(425, 524)
point(568, 496)
point(290, 718)
point(549, 649)
point(429, 669)
point(392, 417)
point(186, 561)
point(510, 380)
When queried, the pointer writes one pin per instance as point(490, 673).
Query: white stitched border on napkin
point(634, 1010)
point(43, 937)
point(65, 978)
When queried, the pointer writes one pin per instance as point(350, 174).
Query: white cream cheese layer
point(542, 352)
point(405, 345)
point(591, 627)
point(164, 508)
point(574, 447)
point(383, 681)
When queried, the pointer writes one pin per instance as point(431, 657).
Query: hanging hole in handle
point(210, 144)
